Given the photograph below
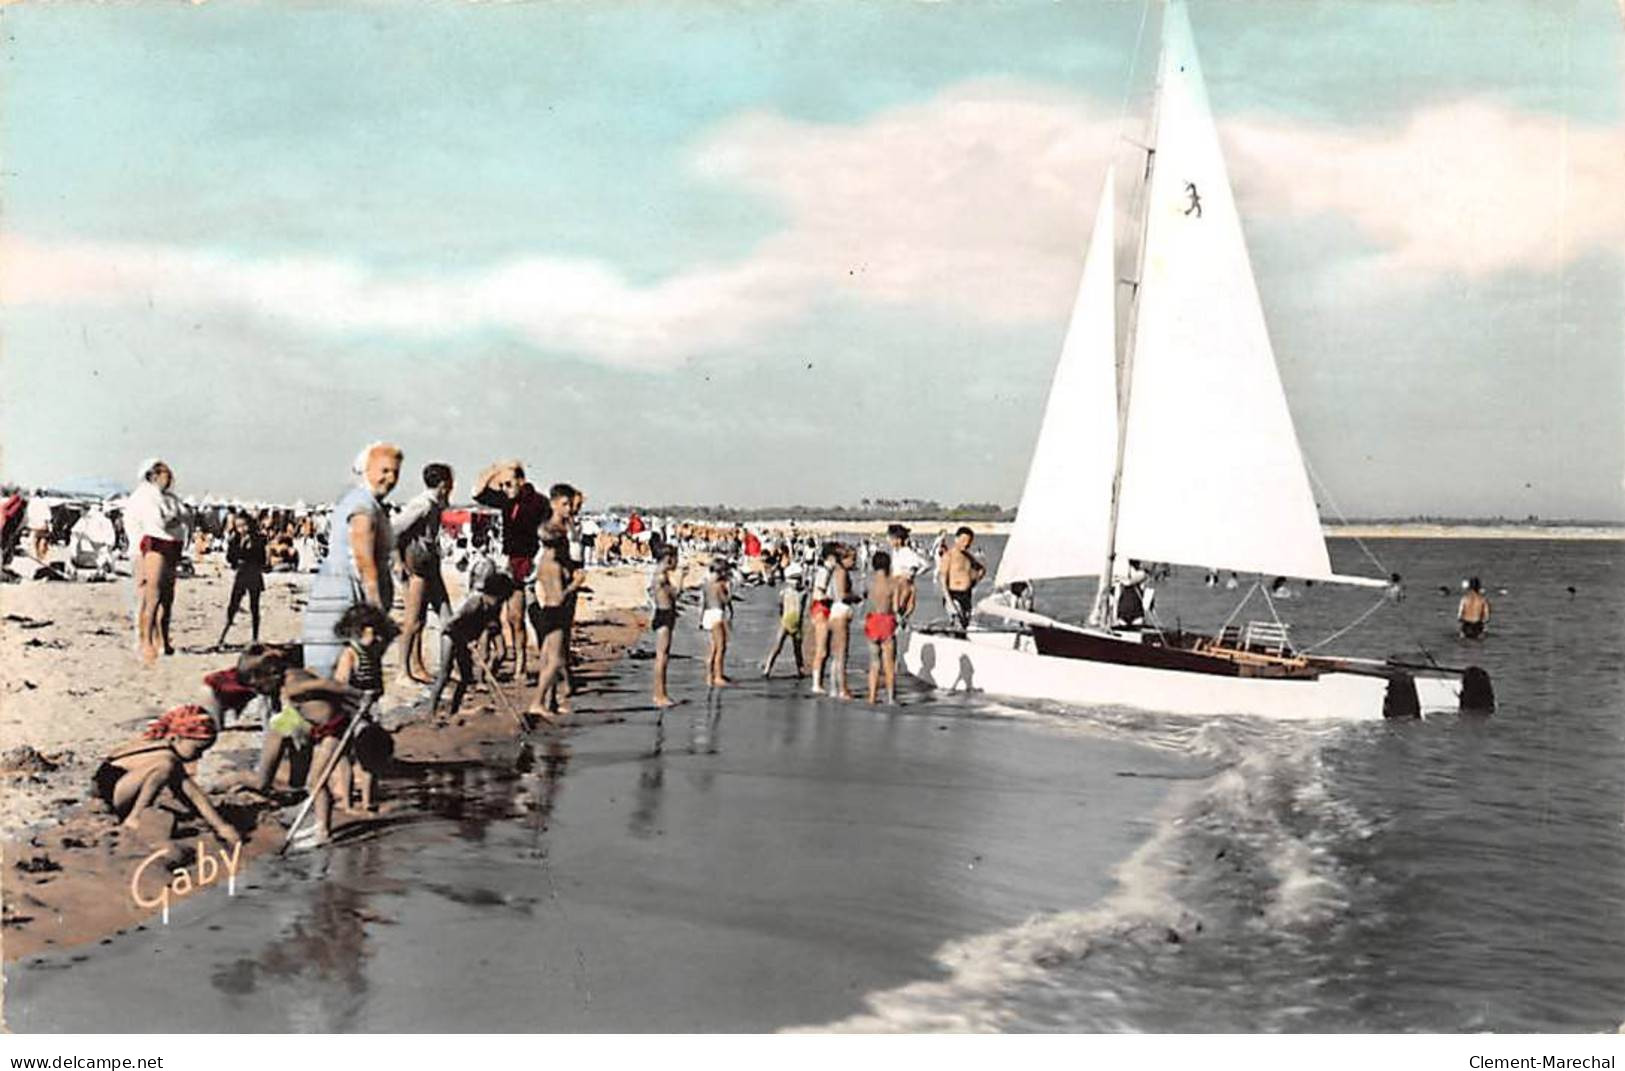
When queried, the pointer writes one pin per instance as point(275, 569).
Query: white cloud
point(1468, 187)
point(978, 201)
point(975, 202)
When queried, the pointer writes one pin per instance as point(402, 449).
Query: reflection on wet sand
point(644, 818)
point(313, 978)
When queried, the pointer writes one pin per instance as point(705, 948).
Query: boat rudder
point(1477, 693)
point(1400, 701)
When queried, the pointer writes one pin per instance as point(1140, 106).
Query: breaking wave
point(1244, 867)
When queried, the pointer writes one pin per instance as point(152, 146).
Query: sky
point(760, 252)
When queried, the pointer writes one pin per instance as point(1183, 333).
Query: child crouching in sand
point(260, 669)
point(315, 708)
point(465, 628)
point(130, 780)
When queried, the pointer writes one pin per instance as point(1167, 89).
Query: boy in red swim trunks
point(880, 626)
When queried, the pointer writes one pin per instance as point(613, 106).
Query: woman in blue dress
point(357, 565)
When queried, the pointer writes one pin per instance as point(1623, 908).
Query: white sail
point(1060, 527)
point(1212, 472)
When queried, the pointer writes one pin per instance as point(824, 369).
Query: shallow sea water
point(1453, 874)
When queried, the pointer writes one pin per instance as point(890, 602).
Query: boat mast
point(1125, 378)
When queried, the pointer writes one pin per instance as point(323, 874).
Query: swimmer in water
point(1473, 614)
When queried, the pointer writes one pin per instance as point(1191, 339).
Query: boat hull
point(1006, 663)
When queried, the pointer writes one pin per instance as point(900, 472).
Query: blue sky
point(612, 238)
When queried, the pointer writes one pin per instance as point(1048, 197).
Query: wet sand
point(753, 860)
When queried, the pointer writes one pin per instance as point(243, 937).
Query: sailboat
point(1174, 446)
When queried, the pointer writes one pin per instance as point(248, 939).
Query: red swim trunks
point(169, 548)
point(880, 627)
point(521, 567)
point(820, 608)
point(333, 726)
point(232, 693)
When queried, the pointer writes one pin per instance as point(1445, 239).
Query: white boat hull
point(1005, 663)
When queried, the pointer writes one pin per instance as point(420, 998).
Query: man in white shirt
point(906, 565)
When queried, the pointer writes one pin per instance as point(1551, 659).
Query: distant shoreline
point(1474, 531)
point(1398, 530)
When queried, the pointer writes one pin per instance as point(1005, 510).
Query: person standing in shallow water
point(819, 608)
point(843, 600)
point(906, 566)
point(960, 572)
point(792, 604)
point(556, 585)
point(716, 610)
point(663, 590)
point(880, 628)
point(1473, 614)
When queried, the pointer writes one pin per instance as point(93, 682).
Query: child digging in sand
point(880, 627)
point(260, 669)
point(130, 780)
point(466, 627)
point(317, 708)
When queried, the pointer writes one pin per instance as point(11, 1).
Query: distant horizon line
point(917, 509)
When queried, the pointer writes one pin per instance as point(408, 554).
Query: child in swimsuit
point(880, 627)
point(820, 608)
point(130, 779)
point(792, 597)
point(717, 608)
point(840, 618)
point(663, 598)
point(557, 584)
point(319, 708)
point(367, 632)
point(225, 694)
point(260, 669)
